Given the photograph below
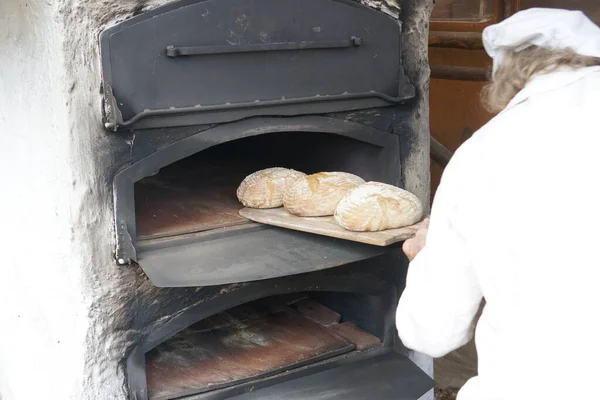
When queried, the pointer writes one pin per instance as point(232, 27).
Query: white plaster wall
point(42, 315)
point(64, 332)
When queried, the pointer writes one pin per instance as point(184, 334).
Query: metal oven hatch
point(215, 61)
point(293, 337)
point(243, 69)
point(200, 93)
point(179, 210)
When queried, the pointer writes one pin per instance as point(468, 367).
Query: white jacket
point(516, 220)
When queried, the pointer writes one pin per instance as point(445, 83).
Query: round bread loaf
point(377, 206)
point(265, 188)
point(318, 194)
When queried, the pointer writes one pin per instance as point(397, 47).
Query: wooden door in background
point(460, 68)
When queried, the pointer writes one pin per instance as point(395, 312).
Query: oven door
point(215, 61)
point(176, 210)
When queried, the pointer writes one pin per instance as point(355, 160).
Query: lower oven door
point(387, 377)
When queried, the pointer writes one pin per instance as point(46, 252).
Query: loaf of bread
point(318, 194)
point(265, 188)
point(377, 206)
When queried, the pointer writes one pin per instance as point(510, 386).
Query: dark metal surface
point(173, 51)
point(151, 318)
point(382, 164)
point(387, 377)
point(239, 345)
point(311, 65)
point(246, 254)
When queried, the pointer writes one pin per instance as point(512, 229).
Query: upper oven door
point(199, 62)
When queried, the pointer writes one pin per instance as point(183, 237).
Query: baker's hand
point(414, 245)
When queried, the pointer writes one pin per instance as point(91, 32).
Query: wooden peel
point(326, 226)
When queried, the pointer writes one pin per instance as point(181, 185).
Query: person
point(516, 222)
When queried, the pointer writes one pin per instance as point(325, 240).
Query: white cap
point(544, 27)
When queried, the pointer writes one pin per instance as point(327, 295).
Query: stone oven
point(153, 114)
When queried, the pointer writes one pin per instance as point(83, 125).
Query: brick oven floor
point(249, 342)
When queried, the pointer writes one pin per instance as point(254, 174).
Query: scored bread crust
point(318, 195)
point(377, 206)
point(265, 188)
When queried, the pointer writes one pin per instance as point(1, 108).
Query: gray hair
point(518, 68)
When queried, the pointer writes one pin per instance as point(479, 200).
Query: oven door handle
point(174, 52)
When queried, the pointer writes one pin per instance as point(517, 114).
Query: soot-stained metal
point(249, 58)
point(344, 82)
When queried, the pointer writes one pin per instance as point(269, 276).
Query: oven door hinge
point(125, 251)
point(113, 116)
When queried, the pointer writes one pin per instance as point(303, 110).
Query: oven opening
point(198, 193)
point(258, 340)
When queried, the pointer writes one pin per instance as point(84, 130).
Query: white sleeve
point(442, 294)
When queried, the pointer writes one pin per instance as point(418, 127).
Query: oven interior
point(198, 193)
point(261, 339)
